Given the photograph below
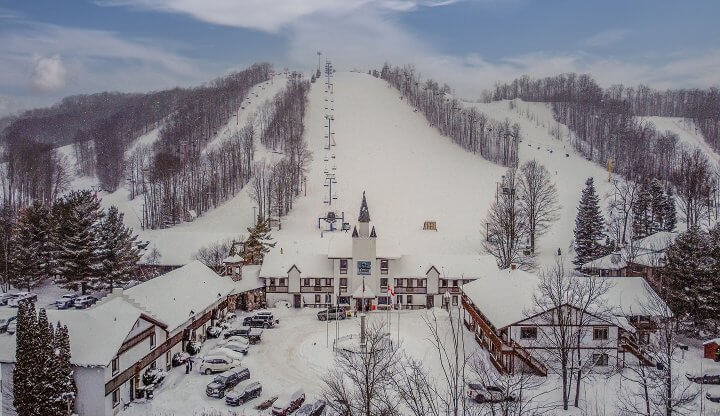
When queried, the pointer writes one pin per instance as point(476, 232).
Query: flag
point(390, 291)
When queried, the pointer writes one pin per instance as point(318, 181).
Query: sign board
point(364, 268)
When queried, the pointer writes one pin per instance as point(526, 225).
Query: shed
point(711, 348)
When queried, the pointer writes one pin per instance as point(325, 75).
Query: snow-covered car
point(235, 339)
point(243, 394)
point(268, 316)
point(84, 301)
point(287, 404)
point(483, 393)
point(214, 331)
point(311, 409)
point(243, 331)
point(707, 378)
point(12, 327)
point(230, 316)
point(216, 364)
point(226, 381)
point(65, 301)
point(5, 297)
point(237, 347)
point(20, 298)
point(179, 358)
point(5, 322)
point(238, 356)
point(712, 398)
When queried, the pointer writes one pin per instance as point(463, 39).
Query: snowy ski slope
point(686, 130)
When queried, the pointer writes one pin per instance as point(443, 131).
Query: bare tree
point(214, 254)
point(362, 378)
point(620, 203)
point(538, 199)
point(416, 389)
point(505, 229)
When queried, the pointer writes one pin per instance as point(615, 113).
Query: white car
point(233, 355)
point(236, 339)
point(21, 297)
point(217, 364)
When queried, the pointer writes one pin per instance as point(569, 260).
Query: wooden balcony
point(452, 289)
point(410, 290)
point(276, 289)
point(316, 289)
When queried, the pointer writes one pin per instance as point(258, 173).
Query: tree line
point(73, 242)
point(494, 140)
point(606, 131)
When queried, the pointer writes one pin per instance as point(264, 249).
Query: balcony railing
point(316, 289)
point(277, 289)
point(402, 290)
point(451, 289)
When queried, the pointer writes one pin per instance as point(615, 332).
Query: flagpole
point(398, 325)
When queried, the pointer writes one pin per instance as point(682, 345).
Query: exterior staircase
point(627, 343)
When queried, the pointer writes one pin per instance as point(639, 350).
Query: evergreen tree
point(258, 242)
point(670, 213)
point(589, 226)
point(64, 389)
point(642, 214)
point(117, 252)
point(44, 365)
point(30, 256)
point(688, 275)
point(26, 373)
point(657, 206)
point(76, 260)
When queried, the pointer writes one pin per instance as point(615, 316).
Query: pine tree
point(589, 226)
point(64, 389)
point(670, 213)
point(76, 260)
point(688, 271)
point(26, 373)
point(30, 256)
point(642, 215)
point(657, 206)
point(44, 365)
point(258, 242)
point(117, 252)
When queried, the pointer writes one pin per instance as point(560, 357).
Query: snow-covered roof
point(658, 241)
point(277, 264)
point(175, 296)
point(233, 259)
point(628, 296)
point(503, 296)
point(96, 334)
point(340, 247)
point(250, 279)
point(613, 261)
point(712, 341)
point(447, 265)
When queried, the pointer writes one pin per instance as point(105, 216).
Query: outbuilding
point(711, 348)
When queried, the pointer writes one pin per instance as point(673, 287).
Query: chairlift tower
point(330, 179)
point(329, 118)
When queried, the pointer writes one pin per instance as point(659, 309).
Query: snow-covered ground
point(687, 132)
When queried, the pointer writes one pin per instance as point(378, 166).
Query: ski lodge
point(129, 331)
point(518, 334)
point(358, 271)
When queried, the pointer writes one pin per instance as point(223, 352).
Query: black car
point(226, 381)
point(311, 409)
point(213, 331)
point(259, 322)
point(243, 331)
point(242, 395)
point(331, 313)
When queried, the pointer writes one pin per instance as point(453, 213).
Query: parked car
point(237, 347)
point(238, 356)
point(214, 331)
point(65, 301)
point(179, 358)
point(243, 394)
point(5, 322)
point(311, 409)
point(268, 316)
point(260, 322)
point(216, 364)
point(235, 339)
point(288, 404)
point(84, 301)
point(230, 316)
point(20, 298)
point(331, 313)
point(483, 393)
point(226, 381)
point(266, 403)
point(255, 335)
point(243, 331)
point(704, 379)
point(5, 297)
point(12, 327)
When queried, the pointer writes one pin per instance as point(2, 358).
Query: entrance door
point(296, 301)
point(430, 302)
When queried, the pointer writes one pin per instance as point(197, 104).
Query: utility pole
point(329, 118)
point(330, 178)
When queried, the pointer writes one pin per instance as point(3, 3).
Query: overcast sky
point(50, 48)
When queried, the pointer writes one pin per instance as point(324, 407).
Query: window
point(317, 298)
point(167, 359)
point(644, 338)
point(281, 282)
point(443, 283)
point(400, 299)
point(306, 282)
point(318, 282)
point(600, 333)
point(272, 282)
point(153, 365)
point(399, 283)
point(115, 365)
point(382, 300)
point(421, 282)
point(152, 341)
point(455, 283)
point(328, 282)
point(343, 281)
point(328, 298)
point(455, 300)
point(528, 332)
point(409, 299)
point(383, 266)
point(600, 360)
point(343, 266)
point(383, 282)
point(409, 282)
point(116, 397)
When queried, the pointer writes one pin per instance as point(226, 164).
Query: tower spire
point(364, 211)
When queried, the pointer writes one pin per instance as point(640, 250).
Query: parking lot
point(295, 354)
